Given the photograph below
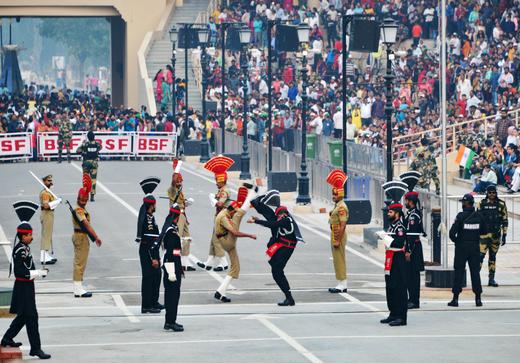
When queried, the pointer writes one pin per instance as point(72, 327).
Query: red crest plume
point(337, 178)
point(241, 196)
point(219, 165)
point(87, 183)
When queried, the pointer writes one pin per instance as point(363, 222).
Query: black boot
point(92, 197)
point(455, 301)
point(39, 353)
point(387, 320)
point(10, 343)
point(289, 301)
point(159, 306)
point(221, 297)
point(492, 281)
point(478, 300)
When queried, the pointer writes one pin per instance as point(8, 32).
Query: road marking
point(131, 259)
point(136, 214)
point(361, 303)
point(303, 225)
point(232, 289)
point(6, 245)
point(264, 320)
point(122, 306)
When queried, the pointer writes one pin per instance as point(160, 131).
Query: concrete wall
point(139, 16)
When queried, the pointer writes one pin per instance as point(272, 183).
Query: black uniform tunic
point(465, 233)
point(172, 289)
point(148, 251)
point(23, 302)
point(414, 228)
point(396, 295)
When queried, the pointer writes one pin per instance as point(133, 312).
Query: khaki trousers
point(47, 220)
point(215, 246)
point(338, 258)
point(229, 244)
point(81, 249)
point(184, 231)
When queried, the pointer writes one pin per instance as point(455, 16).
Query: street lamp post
point(173, 38)
point(344, 56)
point(389, 35)
point(245, 38)
point(223, 96)
point(186, 47)
point(270, 24)
point(303, 180)
point(204, 144)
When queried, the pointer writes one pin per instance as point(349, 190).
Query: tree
point(85, 38)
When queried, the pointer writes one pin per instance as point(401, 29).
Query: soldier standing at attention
point(148, 239)
point(338, 223)
point(64, 136)
point(47, 220)
point(89, 150)
point(172, 267)
point(218, 165)
point(23, 302)
point(465, 232)
point(82, 231)
point(494, 211)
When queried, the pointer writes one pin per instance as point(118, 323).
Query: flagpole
point(444, 174)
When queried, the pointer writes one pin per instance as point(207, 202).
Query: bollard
point(436, 235)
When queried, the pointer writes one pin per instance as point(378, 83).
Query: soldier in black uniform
point(89, 150)
point(465, 232)
point(285, 234)
point(395, 269)
point(414, 253)
point(23, 302)
point(172, 267)
point(148, 239)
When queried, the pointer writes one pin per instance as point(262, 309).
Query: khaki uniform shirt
point(337, 215)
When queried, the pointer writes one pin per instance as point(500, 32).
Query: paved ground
point(320, 328)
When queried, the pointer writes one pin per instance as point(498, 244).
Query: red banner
point(15, 144)
point(154, 144)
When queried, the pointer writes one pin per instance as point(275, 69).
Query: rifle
point(82, 226)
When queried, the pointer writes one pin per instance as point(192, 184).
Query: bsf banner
point(154, 143)
point(15, 145)
point(48, 143)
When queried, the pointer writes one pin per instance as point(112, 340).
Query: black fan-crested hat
point(410, 178)
point(394, 190)
point(25, 210)
point(149, 184)
point(271, 198)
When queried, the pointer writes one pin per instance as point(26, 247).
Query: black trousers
point(396, 294)
point(414, 284)
point(278, 262)
point(172, 294)
point(470, 253)
point(151, 280)
point(31, 324)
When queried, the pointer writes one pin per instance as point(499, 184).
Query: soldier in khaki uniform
point(338, 223)
point(47, 220)
point(219, 166)
point(176, 196)
point(227, 231)
point(82, 231)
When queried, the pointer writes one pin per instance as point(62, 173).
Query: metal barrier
point(16, 146)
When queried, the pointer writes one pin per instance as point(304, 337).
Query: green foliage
point(85, 38)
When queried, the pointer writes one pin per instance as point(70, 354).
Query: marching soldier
point(172, 267)
point(465, 232)
point(176, 196)
point(227, 231)
point(414, 229)
point(395, 269)
point(64, 136)
point(23, 302)
point(148, 239)
point(338, 223)
point(494, 211)
point(89, 150)
point(285, 234)
point(218, 165)
point(47, 221)
point(82, 232)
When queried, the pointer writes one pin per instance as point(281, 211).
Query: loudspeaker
point(282, 181)
point(364, 36)
point(359, 211)
point(236, 159)
point(192, 37)
point(191, 147)
point(287, 38)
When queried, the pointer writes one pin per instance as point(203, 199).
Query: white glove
point(189, 201)
point(170, 270)
point(54, 203)
point(212, 199)
point(37, 273)
point(385, 237)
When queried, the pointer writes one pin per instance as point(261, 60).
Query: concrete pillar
point(118, 45)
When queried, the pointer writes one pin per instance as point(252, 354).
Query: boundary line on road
point(122, 306)
point(6, 245)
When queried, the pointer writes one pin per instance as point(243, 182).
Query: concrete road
point(321, 328)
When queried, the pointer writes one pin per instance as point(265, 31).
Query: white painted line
point(136, 213)
point(232, 289)
point(6, 245)
point(361, 303)
point(302, 224)
point(130, 259)
point(121, 305)
point(287, 338)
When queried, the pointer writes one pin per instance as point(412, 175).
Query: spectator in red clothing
point(461, 106)
point(416, 34)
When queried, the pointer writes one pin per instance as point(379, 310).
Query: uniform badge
point(400, 233)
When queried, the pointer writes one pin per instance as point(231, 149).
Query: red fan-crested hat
point(219, 166)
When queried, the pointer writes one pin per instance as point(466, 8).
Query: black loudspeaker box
point(364, 36)
point(359, 211)
point(282, 181)
point(287, 38)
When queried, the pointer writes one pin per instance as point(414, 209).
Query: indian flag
point(465, 157)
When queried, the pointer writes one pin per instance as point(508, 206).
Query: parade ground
point(322, 327)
